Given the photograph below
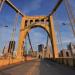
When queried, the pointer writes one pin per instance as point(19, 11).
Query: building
point(44, 52)
point(34, 54)
point(71, 48)
point(11, 47)
point(40, 47)
point(65, 53)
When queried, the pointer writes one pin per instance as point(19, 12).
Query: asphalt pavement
point(38, 67)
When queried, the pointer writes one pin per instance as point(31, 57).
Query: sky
point(32, 8)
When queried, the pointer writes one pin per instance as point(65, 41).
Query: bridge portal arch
point(32, 22)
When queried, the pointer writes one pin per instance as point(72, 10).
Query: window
point(31, 21)
point(42, 20)
point(47, 20)
point(67, 54)
point(36, 20)
point(26, 21)
point(61, 53)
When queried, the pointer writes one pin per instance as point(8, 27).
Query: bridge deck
point(38, 67)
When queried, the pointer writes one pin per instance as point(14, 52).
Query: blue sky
point(32, 8)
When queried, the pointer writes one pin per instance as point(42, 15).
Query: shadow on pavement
point(48, 67)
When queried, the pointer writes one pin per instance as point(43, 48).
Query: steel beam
point(56, 7)
point(17, 10)
point(14, 7)
point(1, 4)
point(30, 42)
point(0, 1)
point(53, 38)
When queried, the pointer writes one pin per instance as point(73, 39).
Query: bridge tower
point(29, 22)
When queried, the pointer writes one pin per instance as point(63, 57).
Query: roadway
point(38, 67)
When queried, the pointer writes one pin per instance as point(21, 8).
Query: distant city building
point(11, 47)
point(65, 53)
point(71, 47)
point(40, 47)
point(44, 52)
point(34, 53)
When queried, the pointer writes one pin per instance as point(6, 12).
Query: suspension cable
point(1, 4)
point(30, 42)
point(47, 42)
point(70, 14)
point(68, 24)
point(59, 33)
point(14, 27)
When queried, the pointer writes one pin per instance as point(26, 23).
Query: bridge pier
point(53, 37)
point(21, 41)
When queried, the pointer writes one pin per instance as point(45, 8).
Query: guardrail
point(69, 61)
